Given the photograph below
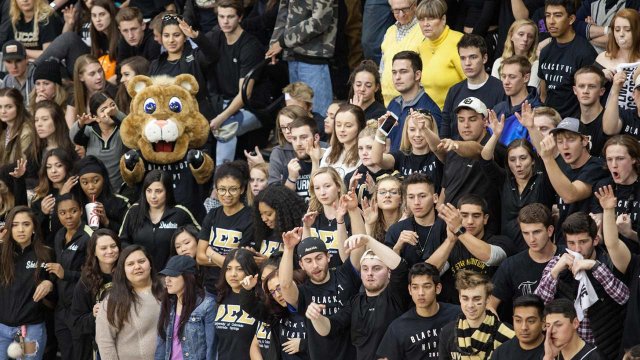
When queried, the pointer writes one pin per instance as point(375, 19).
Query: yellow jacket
point(441, 66)
point(390, 47)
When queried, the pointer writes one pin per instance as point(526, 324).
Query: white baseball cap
point(474, 104)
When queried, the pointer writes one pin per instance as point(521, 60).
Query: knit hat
point(48, 70)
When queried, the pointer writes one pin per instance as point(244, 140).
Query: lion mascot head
point(164, 119)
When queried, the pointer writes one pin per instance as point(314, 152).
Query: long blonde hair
point(41, 12)
point(508, 44)
point(405, 143)
point(314, 203)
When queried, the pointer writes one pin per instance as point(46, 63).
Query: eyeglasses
point(285, 129)
point(404, 11)
point(171, 17)
point(232, 191)
point(273, 292)
point(390, 192)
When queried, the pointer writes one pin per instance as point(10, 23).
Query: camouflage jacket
point(306, 28)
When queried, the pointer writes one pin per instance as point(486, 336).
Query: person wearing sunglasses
point(227, 227)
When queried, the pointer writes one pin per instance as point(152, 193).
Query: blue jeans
point(376, 19)
point(35, 332)
point(247, 121)
point(318, 78)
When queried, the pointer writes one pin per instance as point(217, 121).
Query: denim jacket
point(198, 336)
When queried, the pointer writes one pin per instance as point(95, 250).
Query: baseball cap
point(568, 124)
point(178, 265)
point(310, 245)
point(13, 50)
point(474, 104)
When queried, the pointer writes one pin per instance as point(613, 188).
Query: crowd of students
point(443, 180)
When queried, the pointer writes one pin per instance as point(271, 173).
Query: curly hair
point(289, 208)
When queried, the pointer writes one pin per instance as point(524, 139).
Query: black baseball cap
point(310, 245)
point(178, 265)
point(13, 50)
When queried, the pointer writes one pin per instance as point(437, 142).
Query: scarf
point(478, 343)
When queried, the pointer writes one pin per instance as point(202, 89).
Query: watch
point(461, 230)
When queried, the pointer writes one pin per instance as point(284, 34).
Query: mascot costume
point(165, 131)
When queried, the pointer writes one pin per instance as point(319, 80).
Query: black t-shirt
point(463, 176)
point(630, 122)
point(429, 239)
point(628, 203)
point(234, 329)
point(598, 137)
point(263, 334)
point(558, 64)
point(234, 62)
point(588, 352)
point(631, 336)
point(48, 30)
point(363, 191)
point(304, 179)
point(271, 245)
point(374, 111)
point(292, 327)
point(516, 276)
point(428, 164)
point(369, 317)
point(413, 337)
point(511, 350)
point(327, 231)
point(461, 259)
point(343, 283)
point(225, 233)
point(590, 173)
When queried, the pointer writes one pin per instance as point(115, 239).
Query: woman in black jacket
point(24, 283)
point(103, 250)
point(152, 221)
point(93, 178)
point(182, 58)
point(70, 247)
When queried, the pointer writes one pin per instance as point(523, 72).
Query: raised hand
point(187, 30)
point(249, 282)
point(314, 311)
point(525, 116)
point(309, 218)
point(292, 238)
point(623, 222)
point(496, 125)
point(20, 169)
point(356, 241)
point(451, 216)
point(252, 160)
point(547, 147)
point(606, 197)
point(370, 210)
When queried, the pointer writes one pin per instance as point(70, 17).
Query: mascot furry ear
point(163, 124)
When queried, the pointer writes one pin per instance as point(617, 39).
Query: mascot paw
point(131, 159)
point(195, 158)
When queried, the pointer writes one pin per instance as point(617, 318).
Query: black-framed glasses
point(232, 191)
point(273, 292)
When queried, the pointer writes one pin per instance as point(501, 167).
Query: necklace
point(420, 248)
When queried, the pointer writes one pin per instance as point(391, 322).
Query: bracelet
point(606, 30)
point(337, 222)
point(53, 5)
point(291, 181)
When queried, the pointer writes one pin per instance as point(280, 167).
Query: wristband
point(606, 30)
point(337, 222)
point(53, 4)
point(291, 181)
